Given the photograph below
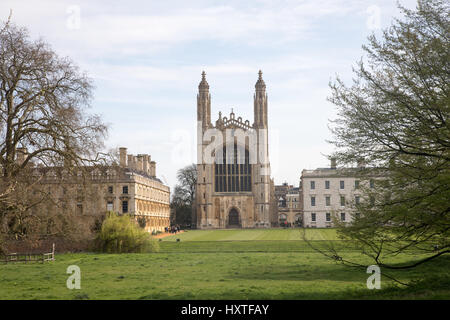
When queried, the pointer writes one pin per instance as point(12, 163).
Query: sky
point(146, 57)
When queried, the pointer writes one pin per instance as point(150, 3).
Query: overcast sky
point(146, 59)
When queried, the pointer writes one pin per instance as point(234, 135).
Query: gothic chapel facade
point(235, 189)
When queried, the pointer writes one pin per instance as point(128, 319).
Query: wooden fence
point(30, 257)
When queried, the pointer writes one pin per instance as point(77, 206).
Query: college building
point(290, 213)
point(130, 187)
point(330, 192)
point(234, 189)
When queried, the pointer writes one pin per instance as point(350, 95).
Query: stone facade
point(149, 197)
point(128, 188)
point(229, 193)
point(289, 205)
point(327, 193)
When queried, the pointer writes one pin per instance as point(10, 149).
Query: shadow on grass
point(428, 281)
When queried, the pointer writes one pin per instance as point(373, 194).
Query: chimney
point(135, 163)
point(149, 164)
point(153, 169)
point(140, 162)
point(123, 157)
point(130, 161)
point(21, 155)
point(145, 164)
point(333, 163)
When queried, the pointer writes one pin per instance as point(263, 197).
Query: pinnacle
point(260, 83)
point(203, 84)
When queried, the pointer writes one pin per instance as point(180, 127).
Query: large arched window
point(232, 175)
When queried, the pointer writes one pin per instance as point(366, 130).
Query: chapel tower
point(235, 190)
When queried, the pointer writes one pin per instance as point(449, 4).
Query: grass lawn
point(222, 264)
point(254, 234)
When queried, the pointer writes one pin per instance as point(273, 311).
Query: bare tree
point(43, 120)
point(183, 196)
point(187, 178)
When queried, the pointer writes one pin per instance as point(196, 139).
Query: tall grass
point(121, 234)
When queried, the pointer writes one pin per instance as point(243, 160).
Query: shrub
point(120, 234)
point(142, 222)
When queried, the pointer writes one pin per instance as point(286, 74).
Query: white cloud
point(124, 31)
point(146, 58)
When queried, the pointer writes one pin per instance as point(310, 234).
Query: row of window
point(328, 201)
point(232, 183)
point(110, 206)
point(152, 192)
point(235, 174)
point(124, 189)
point(327, 216)
point(96, 174)
point(341, 184)
point(157, 195)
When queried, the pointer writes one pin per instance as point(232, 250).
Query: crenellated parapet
point(232, 122)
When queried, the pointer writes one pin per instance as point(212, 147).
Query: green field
point(223, 264)
point(254, 234)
